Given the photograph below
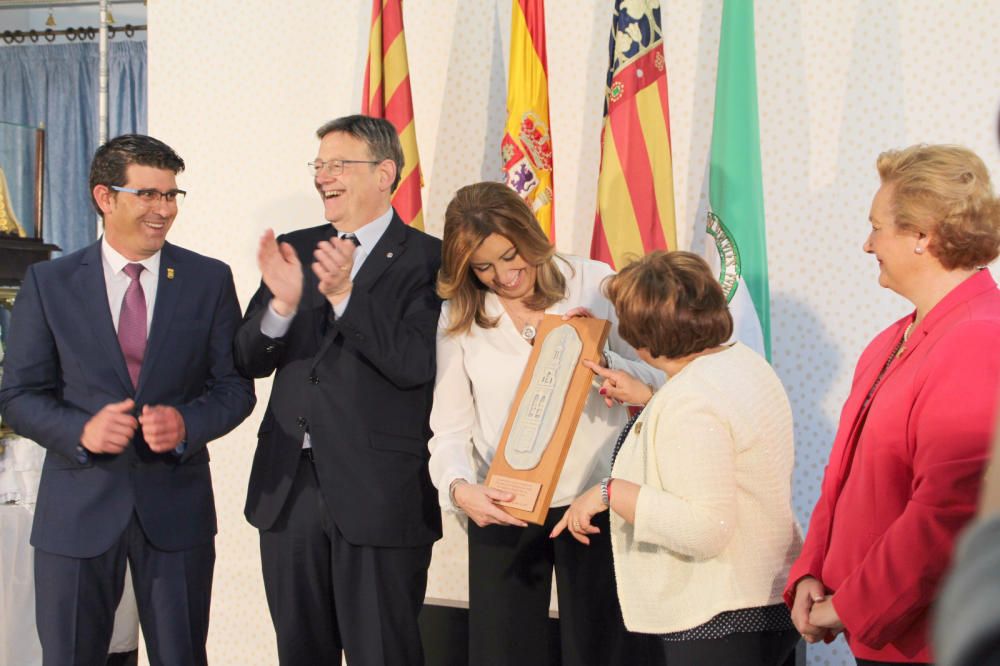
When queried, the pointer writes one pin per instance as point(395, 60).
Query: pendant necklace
point(528, 331)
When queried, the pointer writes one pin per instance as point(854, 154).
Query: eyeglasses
point(152, 197)
point(336, 167)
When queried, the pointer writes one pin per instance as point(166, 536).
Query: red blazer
point(904, 474)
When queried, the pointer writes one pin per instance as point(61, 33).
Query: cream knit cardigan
point(714, 528)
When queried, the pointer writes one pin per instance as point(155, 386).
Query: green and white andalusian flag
point(736, 195)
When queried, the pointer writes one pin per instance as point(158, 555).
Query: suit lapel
point(92, 292)
point(169, 288)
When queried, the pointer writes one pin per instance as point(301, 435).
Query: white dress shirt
point(116, 281)
point(478, 373)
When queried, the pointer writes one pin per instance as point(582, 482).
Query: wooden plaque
point(534, 472)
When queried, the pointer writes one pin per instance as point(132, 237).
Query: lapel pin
point(388, 255)
point(170, 274)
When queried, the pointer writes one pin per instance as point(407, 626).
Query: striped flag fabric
point(387, 95)
point(635, 189)
point(737, 244)
point(526, 147)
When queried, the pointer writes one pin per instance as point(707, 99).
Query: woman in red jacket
point(904, 472)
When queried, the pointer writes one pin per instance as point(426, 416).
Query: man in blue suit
point(120, 363)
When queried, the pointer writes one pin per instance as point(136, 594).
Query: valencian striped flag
point(387, 95)
point(737, 243)
point(635, 190)
point(526, 147)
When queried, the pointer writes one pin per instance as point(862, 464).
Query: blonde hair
point(945, 191)
point(475, 213)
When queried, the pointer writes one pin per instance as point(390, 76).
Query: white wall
point(239, 86)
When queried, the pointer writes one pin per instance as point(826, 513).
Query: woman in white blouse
point(702, 528)
point(500, 276)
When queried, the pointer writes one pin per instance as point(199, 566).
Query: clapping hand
point(334, 260)
point(281, 271)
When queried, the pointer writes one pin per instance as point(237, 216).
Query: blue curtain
point(57, 85)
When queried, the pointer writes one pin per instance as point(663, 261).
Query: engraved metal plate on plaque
point(542, 403)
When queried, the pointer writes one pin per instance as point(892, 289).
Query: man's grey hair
point(378, 134)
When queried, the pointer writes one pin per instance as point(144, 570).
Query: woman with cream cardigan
point(702, 530)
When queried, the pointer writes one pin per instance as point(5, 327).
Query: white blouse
point(478, 373)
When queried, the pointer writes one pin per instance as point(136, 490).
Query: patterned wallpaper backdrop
point(239, 86)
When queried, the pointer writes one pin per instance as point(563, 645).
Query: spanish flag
point(526, 147)
point(387, 95)
point(635, 189)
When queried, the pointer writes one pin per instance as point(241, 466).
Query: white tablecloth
point(20, 470)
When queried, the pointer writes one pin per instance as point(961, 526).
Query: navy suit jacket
point(64, 364)
point(361, 385)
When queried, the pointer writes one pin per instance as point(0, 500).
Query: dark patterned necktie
point(352, 238)
point(132, 323)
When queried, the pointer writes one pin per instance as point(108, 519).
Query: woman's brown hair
point(475, 213)
point(671, 304)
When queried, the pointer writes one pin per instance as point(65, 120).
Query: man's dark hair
point(112, 160)
point(378, 134)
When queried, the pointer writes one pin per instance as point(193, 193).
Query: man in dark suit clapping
point(346, 317)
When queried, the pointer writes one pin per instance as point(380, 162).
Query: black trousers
point(327, 596)
point(76, 599)
point(510, 585)
point(758, 648)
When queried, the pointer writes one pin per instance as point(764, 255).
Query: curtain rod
point(72, 34)
point(42, 4)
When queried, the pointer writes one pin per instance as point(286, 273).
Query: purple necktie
point(132, 323)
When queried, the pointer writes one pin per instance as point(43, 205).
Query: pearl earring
point(918, 250)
